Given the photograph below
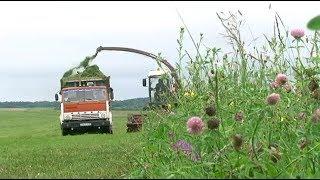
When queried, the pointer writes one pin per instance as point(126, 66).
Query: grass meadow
point(32, 147)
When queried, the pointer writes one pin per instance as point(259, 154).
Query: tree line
point(136, 103)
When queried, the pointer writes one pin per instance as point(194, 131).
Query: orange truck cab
point(85, 104)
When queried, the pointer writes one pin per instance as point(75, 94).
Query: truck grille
point(85, 116)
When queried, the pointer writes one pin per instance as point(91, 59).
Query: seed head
point(316, 116)
point(273, 98)
point(213, 124)
point(211, 110)
point(313, 85)
point(287, 87)
point(316, 94)
point(274, 85)
point(275, 155)
point(237, 141)
point(303, 143)
point(258, 148)
point(239, 116)
point(302, 116)
point(281, 79)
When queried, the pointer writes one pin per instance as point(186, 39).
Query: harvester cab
point(160, 85)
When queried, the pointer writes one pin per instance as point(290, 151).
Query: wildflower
point(146, 165)
point(237, 141)
point(275, 154)
point(239, 116)
point(303, 143)
point(302, 116)
point(231, 103)
point(258, 148)
point(273, 145)
point(187, 149)
point(316, 116)
point(313, 85)
point(297, 33)
point(183, 146)
point(281, 79)
point(169, 106)
point(195, 125)
point(171, 135)
point(196, 157)
point(210, 74)
point(213, 124)
point(316, 94)
point(287, 87)
point(211, 110)
point(273, 98)
point(274, 85)
point(317, 112)
point(189, 93)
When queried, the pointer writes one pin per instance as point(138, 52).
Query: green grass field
point(32, 147)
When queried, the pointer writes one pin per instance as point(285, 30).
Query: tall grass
point(280, 140)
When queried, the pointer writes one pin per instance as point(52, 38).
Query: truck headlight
point(68, 117)
point(102, 115)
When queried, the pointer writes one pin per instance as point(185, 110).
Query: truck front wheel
point(64, 132)
point(110, 129)
point(107, 130)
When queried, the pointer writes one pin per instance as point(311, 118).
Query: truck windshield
point(76, 95)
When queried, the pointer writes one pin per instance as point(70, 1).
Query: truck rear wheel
point(104, 129)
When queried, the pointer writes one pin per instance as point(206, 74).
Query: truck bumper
point(85, 124)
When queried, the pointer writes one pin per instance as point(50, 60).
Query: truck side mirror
point(111, 94)
point(144, 82)
point(56, 97)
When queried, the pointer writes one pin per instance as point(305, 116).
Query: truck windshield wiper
point(89, 99)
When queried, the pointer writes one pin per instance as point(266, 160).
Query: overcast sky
point(39, 41)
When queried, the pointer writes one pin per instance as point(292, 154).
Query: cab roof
point(84, 87)
point(158, 72)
